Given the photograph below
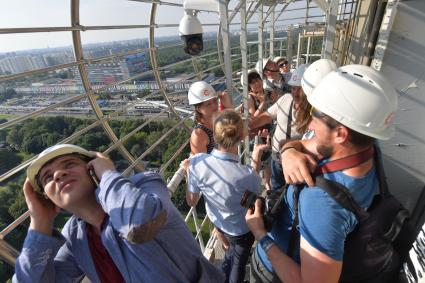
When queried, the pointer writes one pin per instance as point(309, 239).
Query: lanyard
point(346, 162)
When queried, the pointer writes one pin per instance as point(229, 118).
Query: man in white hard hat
point(352, 107)
point(123, 230)
point(272, 79)
point(284, 68)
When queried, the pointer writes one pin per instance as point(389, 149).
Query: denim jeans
point(236, 257)
point(277, 178)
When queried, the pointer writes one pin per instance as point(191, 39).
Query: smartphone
point(93, 176)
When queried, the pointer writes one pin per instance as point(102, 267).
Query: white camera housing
point(190, 31)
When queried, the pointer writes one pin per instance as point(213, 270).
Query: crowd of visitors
point(127, 229)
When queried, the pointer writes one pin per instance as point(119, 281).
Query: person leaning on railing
point(223, 180)
point(205, 101)
point(122, 230)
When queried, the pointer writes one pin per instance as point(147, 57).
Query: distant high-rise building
point(136, 63)
point(53, 59)
point(105, 72)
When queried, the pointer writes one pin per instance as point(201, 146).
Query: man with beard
point(351, 107)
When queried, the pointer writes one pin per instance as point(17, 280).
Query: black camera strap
point(294, 239)
point(289, 124)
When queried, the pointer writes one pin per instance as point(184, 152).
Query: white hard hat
point(358, 97)
point(48, 155)
point(257, 65)
point(200, 92)
point(315, 72)
point(297, 75)
point(279, 58)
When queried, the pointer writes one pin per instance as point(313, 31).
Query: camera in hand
point(271, 205)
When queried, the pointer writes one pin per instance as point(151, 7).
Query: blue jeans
point(236, 257)
point(277, 178)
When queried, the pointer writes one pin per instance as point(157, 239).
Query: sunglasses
point(281, 65)
point(331, 123)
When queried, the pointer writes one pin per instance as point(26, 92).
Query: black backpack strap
point(289, 124)
point(342, 196)
point(294, 238)
point(338, 192)
point(383, 185)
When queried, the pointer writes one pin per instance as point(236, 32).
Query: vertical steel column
point(79, 57)
point(307, 56)
point(289, 43)
point(384, 34)
point(244, 51)
point(224, 24)
point(272, 32)
point(331, 16)
point(281, 47)
point(260, 38)
point(299, 49)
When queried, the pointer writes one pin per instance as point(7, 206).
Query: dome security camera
point(190, 31)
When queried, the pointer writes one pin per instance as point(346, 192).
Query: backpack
point(375, 250)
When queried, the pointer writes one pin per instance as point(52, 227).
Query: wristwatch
point(266, 243)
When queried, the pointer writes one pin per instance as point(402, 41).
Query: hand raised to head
point(42, 210)
point(101, 164)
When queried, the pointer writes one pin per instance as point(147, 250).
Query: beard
point(325, 150)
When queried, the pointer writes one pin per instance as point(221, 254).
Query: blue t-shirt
point(223, 180)
point(322, 221)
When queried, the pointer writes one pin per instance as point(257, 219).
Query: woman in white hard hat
point(205, 99)
point(122, 230)
point(223, 181)
point(203, 96)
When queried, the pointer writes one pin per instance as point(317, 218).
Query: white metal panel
point(404, 64)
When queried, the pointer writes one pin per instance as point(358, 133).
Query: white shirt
point(279, 112)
